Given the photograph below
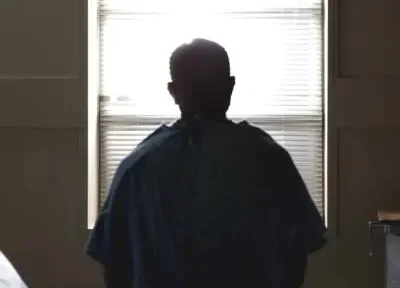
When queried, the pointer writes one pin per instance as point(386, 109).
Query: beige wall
point(43, 109)
point(364, 139)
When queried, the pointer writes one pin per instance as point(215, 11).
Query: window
point(276, 52)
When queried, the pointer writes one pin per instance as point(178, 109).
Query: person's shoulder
point(148, 145)
point(263, 139)
point(256, 132)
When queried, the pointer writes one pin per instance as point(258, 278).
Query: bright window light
point(276, 53)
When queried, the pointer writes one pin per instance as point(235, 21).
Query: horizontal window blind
point(276, 53)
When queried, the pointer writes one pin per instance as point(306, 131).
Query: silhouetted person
point(205, 202)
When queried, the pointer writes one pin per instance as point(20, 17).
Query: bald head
point(201, 81)
point(201, 59)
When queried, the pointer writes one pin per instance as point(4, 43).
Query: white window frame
point(93, 190)
point(93, 169)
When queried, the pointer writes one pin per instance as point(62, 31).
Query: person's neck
point(205, 116)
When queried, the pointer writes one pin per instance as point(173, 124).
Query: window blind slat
point(276, 51)
point(208, 5)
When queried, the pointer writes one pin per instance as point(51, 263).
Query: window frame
point(93, 168)
point(93, 133)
